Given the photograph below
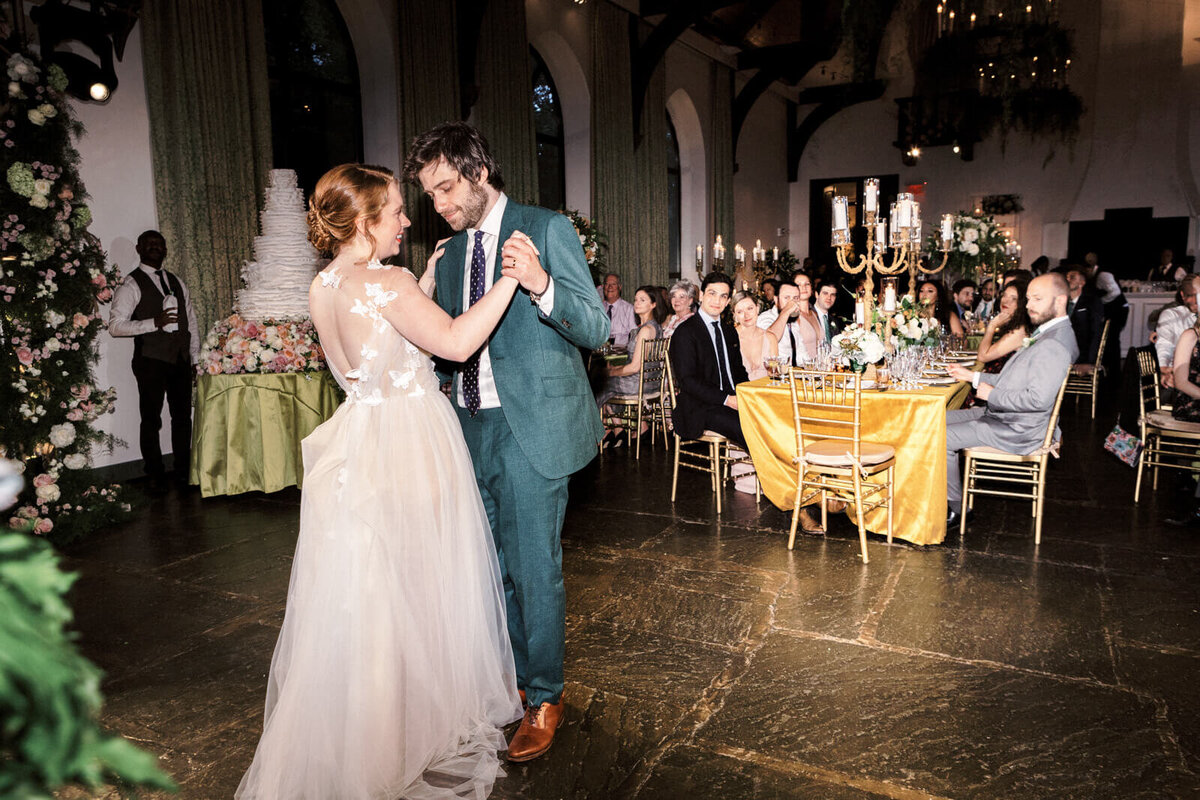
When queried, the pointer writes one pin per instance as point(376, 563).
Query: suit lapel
point(508, 223)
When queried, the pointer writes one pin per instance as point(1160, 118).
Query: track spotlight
point(67, 34)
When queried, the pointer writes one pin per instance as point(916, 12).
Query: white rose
point(55, 318)
point(275, 342)
point(62, 435)
point(48, 111)
point(42, 186)
point(75, 461)
point(251, 364)
point(48, 493)
point(39, 201)
point(972, 249)
point(36, 117)
point(14, 89)
point(53, 345)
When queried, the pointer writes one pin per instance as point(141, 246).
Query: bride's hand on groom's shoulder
point(521, 260)
point(429, 276)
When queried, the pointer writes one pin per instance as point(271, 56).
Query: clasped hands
point(520, 259)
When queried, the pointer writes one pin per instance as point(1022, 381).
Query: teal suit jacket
point(540, 377)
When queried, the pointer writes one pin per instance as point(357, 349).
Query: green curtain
point(721, 168)
point(429, 95)
point(210, 136)
point(615, 195)
point(654, 250)
point(505, 109)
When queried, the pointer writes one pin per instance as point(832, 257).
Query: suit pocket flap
point(560, 386)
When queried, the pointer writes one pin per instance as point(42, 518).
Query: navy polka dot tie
point(470, 379)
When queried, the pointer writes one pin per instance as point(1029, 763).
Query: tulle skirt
point(393, 672)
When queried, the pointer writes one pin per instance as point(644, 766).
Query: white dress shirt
point(1171, 324)
point(488, 396)
point(767, 319)
point(624, 321)
point(1108, 287)
point(822, 323)
point(985, 308)
point(719, 343)
point(125, 301)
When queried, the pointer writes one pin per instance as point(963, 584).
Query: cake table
point(248, 429)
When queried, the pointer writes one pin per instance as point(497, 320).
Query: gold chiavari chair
point(712, 457)
point(1088, 385)
point(1166, 441)
point(831, 457)
point(629, 411)
point(990, 464)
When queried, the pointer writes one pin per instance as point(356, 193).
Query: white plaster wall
point(689, 102)
point(116, 169)
point(372, 27)
point(760, 186)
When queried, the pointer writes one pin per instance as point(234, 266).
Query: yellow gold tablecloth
point(248, 428)
point(914, 422)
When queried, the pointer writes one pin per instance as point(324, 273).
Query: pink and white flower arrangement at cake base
point(237, 346)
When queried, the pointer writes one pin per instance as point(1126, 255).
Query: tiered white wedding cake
point(284, 264)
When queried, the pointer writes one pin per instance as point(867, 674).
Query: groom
point(527, 412)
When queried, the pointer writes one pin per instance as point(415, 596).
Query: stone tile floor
point(705, 660)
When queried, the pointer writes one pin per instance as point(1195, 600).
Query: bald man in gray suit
point(1021, 398)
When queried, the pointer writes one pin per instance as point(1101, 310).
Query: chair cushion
point(1163, 419)
point(983, 450)
point(836, 453)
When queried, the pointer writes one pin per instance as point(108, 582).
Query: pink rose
point(104, 295)
point(66, 194)
point(100, 281)
point(213, 368)
point(74, 415)
point(15, 522)
point(25, 355)
point(81, 391)
point(80, 320)
point(43, 480)
point(43, 526)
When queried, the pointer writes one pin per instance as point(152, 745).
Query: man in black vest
point(166, 346)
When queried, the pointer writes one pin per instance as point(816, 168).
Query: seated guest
point(933, 295)
point(781, 324)
point(1087, 319)
point(650, 305)
point(1006, 331)
point(1021, 398)
point(987, 299)
point(1187, 400)
point(683, 304)
point(964, 298)
point(770, 288)
point(755, 343)
point(620, 312)
point(1172, 322)
point(827, 295)
point(706, 365)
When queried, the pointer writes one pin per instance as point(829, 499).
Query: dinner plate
point(867, 384)
point(939, 381)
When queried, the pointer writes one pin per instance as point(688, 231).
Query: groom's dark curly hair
point(463, 147)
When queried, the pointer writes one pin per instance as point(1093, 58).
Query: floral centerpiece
point(237, 346)
point(910, 325)
point(53, 276)
point(592, 241)
point(858, 346)
point(978, 246)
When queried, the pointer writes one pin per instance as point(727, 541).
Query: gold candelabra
point(905, 242)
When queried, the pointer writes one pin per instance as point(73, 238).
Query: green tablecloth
point(248, 428)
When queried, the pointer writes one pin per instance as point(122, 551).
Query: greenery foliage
point(53, 276)
point(594, 243)
point(49, 693)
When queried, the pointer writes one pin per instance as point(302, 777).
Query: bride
point(393, 672)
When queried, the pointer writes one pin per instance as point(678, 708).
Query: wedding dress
point(393, 671)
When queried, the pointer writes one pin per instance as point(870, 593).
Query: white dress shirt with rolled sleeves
point(125, 301)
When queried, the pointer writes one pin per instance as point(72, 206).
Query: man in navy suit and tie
point(707, 362)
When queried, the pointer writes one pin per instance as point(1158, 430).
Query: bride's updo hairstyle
point(344, 195)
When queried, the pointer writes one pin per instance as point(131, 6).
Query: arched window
point(674, 200)
point(548, 125)
point(316, 107)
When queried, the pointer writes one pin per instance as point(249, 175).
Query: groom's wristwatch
point(535, 298)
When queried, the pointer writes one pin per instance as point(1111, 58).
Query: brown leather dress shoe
point(834, 506)
point(808, 523)
point(536, 732)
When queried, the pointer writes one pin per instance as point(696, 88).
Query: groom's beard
point(471, 209)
